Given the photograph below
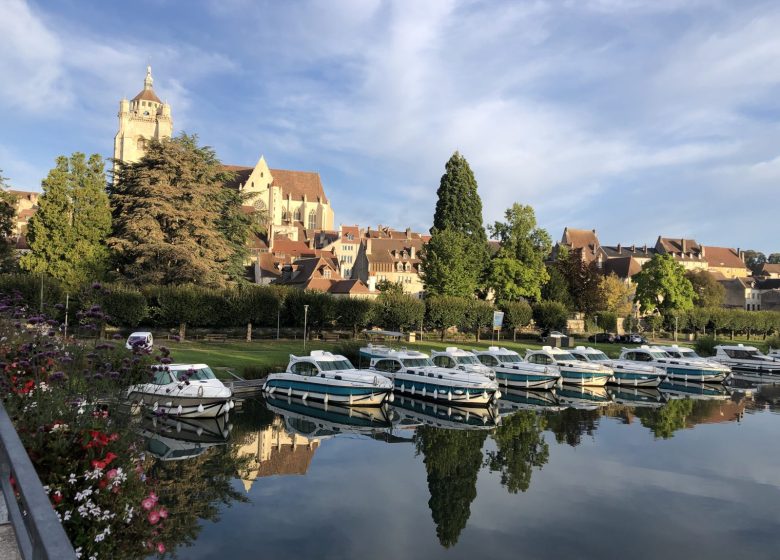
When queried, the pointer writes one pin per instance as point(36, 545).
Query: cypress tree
point(459, 206)
point(67, 233)
point(172, 222)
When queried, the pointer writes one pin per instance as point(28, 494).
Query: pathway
point(8, 548)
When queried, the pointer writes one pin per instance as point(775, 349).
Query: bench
point(215, 337)
point(330, 338)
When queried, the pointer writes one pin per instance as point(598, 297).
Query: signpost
point(498, 321)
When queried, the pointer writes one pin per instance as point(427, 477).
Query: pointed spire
point(148, 80)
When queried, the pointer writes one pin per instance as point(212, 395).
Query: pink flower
point(147, 504)
point(153, 497)
point(111, 474)
point(163, 513)
point(154, 517)
point(161, 548)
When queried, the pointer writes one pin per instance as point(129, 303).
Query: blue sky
point(636, 118)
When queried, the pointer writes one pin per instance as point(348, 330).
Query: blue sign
point(498, 319)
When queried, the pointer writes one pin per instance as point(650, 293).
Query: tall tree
point(449, 264)
point(169, 213)
point(235, 225)
point(7, 215)
point(585, 283)
point(773, 258)
point(754, 260)
point(518, 269)
point(618, 296)
point(459, 207)
point(557, 287)
point(707, 291)
point(67, 234)
point(662, 286)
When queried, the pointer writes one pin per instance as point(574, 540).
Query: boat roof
point(674, 348)
point(141, 333)
point(386, 352)
point(735, 347)
point(452, 351)
point(551, 350)
point(179, 367)
point(496, 350)
point(585, 350)
point(319, 355)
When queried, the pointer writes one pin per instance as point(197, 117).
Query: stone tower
point(140, 119)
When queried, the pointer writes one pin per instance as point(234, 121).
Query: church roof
point(297, 184)
point(147, 95)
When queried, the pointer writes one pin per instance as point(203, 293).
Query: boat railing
point(39, 534)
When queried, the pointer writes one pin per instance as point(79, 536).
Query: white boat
point(413, 374)
point(455, 358)
point(443, 415)
point(624, 373)
point(326, 377)
point(677, 369)
point(573, 371)
point(175, 439)
point(514, 372)
point(583, 397)
point(747, 361)
point(182, 390)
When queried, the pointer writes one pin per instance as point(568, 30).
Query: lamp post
point(305, 319)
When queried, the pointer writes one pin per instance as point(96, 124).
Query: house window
point(312, 219)
point(326, 273)
point(297, 215)
point(141, 144)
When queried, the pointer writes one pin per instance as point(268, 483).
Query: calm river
point(681, 473)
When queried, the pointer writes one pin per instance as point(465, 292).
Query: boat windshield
point(564, 356)
point(332, 365)
point(509, 358)
point(200, 374)
point(417, 362)
point(743, 354)
point(467, 360)
point(597, 356)
point(687, 353)
point(659, 355)
point(136, 340)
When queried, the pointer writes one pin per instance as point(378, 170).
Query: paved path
point(8, 549)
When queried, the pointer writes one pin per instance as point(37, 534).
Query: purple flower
point(166, 360)
point(96, 286)
point(117, 336)
point(113, 374)
point(57, 376)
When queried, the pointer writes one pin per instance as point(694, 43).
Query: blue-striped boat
point(573, 371)
point(624, 373)
point(582, 397)
point(512, 372)
point(677, 369)
point(325, 377)
point(415, 412)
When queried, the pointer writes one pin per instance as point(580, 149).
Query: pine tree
point(67, 233)
point(7, 215)
point(173, 223)
point(459, 207)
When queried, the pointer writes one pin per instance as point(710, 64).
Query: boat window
point(488, 360)
point(643, 357)
point(162, 377)
point(200, 374)
point(580, 357)
point(333, 365)
point(597, 357)
point(565, 356)
point(688, 353)
point(674, 354)
point(540, 359)
point(304, 368)
point(417, 362)
point(742, 354)
point(390, 366)
point(658, 355)
point(629, 356)
point(510, 358)
point(467, 360)
point(444, 361)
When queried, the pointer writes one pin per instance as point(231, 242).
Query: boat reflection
point(693, 390)
point(583, 397)
point(414, 412)
point(173, 439)
point(637, 396)
point(517, 399)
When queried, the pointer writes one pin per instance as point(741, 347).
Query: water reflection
point(691, 390)
point(584, 398)
point(416, 412)
point(520, 446)
point(517, 399)
point(638, 396)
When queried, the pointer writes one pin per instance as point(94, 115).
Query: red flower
point(56, 497)
point(154, 517)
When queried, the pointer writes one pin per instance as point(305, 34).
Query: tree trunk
point(477, 334)
point(443, 330)
point(732, 334)
point(182, 331)
point(514, 335)
point(249, 332)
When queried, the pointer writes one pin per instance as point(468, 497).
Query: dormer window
point(326, 273)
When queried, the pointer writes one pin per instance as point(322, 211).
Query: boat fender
point(199, 430)
point(178, 427)
point(484, 395)
point(325, 398)
point(155, 406)
point(376, 381)
point(391, 398)
point(169, 404)
point(200, 409)
point(200, 391)
point(178, 410)
point(424, 391)
point(449, 395)
point(305, 396)
point(232, 404)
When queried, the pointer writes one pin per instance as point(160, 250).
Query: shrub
point(517, 314)
point(398, 311)
point(550, 315)
point(479, 313)
point(443, 312)
point(705, 345)
point(354, 314)
point(321, 312)
point(28, 286)
point(123, 306)
point(607, 321)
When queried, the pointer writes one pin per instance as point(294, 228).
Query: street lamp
point(305, 319)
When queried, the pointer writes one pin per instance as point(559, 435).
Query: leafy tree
point(617, 295)
point(398, 311)
point(250, 304)
point(390, 286)
point(67, 234)
point(754, 260)
point(459, 207)
point(479, 313)
point(585, 284)
point(450, 264)
point(235, 225)
point(698, 319)
point(707, 291)
point(321, 314)
point(773, 258)
point(7, 225)
point(608, 321)
point(124, 306)
point(550, 315)
point(452, 461)
point(520, 447)
point(517, 314)
point(662, 285)
point(169, 216)
point(654, 323)
point(557, 287)
point(518, 268)
point(354, 314)
point(187, 305)
point(443, 312)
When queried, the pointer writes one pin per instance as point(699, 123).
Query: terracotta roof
point(353, 231)
point(622, 267)
point(722, 257)
point(304, 271)
point(675, 245)
point(255, 241)
point(147, 95)
point(285, 245)
point(388, 250)
point(299, 183)
point(269, 265)
point(617, 251)
point(240, 175)
point(348, 287)
point(29, 195)
point(581, 238)
point(770, 268)
point(27, 213)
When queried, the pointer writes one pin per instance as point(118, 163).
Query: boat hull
point(349, 395)
point(182, 406)
point(584, 378)
point(696, 375)
point(444, 415)
point(521, 380)
point(634, 379)
point(456, 395)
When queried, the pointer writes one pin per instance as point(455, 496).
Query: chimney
point(368, 246)
point(619, 249)
point(682, 244)
point(703, 253)
point(645, 248)
point(633, 248)
point(372, 283)
point(411, 252)
point(408, 233)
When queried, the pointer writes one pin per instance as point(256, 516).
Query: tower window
point(141, 144)
point(312, 220)
point(297, 215)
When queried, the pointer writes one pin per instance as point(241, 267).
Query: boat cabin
point(589, 354)
point(679, 352)
point(318, 361)
point(739, 352)
point(182, 373)
point(496, 357)
point(454, 358)
point(643, 353)
point(549, 355)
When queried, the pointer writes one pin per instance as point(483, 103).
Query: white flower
point(47, 489)
point(67, 515)
point(78, 552)
point(72, 479)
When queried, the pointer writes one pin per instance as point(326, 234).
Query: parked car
point(602, 337)
point(547, 333)
point(142, 340)
point(635, 339)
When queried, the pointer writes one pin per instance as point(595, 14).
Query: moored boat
point(582, 397)
point(677, 369)
point(624, 373)
point(515, 373)
point(444, 415)
point(413, 374)
point(182, 390)
point(456, 358)
point(326, 377)
point(748, 361)
point(573, 371)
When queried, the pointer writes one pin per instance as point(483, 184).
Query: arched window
point(285, 216)
point(297, 215)
point(312, 219)
point(141, 143)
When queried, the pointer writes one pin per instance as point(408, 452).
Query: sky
point(635, 118)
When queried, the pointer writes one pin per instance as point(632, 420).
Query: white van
point(141, 340)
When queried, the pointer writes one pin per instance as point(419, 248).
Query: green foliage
point(67, 234)
point(705, 345)
point(754, 260)
point(569, 425)
point(459, 207)
point(550, 315)
point(654, 322)
point(773, 258)
point(707, 291)
point(664, 421)
point(557, 287)
point(168, 210)
point(28, 286)
point(517, 314)
point(585, 284)
point(617, 295)
point(479, 314)
point(452, 460)
point(520, 447)
point(450, 264)
point(125, 306)
point(443, 312)
point(518, 268)
point(7, 225)
point(235, 225)
point(390, 286)
point(698, 318)
point(354, 314)
point(662, 285)
point(398, 311)
point(258, 305)
point(321, 314)
point(187, 305)
point(608, 321)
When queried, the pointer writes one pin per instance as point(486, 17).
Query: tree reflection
point(520, 447)
point(570, 424)
point(452, 460)
point(685, 413)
